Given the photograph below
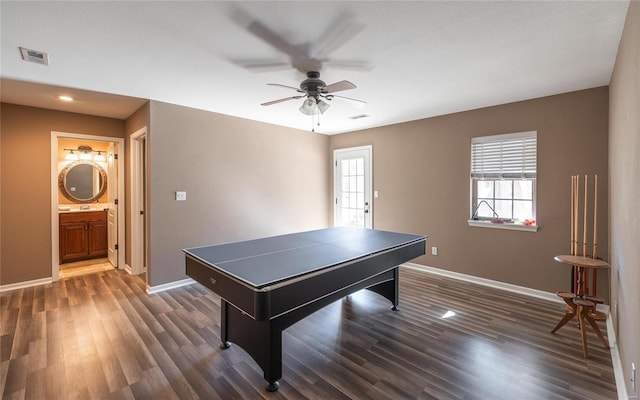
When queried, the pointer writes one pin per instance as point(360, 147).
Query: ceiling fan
point(315, 91)
point(308, 56)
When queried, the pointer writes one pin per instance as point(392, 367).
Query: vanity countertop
point(76, 209)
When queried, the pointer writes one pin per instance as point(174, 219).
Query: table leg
point(570, 309)
point(585, 311)
point(389, 289)
point(582, 311)
point(261, 339)
point(589, 317)
point(224, 324)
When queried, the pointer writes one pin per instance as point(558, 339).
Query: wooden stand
point(581, 302)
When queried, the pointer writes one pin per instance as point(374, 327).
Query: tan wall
point(135, 122)
point(624, 170)
point(243, 179)
point(25, 172)
point(421, 170)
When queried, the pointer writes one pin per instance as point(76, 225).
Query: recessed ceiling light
point(65, 98)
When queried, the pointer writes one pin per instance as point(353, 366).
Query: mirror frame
point(63, 174)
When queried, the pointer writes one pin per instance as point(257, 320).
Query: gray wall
point(421, 170)
point(624, 170)
point(243, 179)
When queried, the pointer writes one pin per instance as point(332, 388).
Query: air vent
point(359, 116)
point(34, 56)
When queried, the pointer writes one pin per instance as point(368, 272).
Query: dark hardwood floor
point(100, 336)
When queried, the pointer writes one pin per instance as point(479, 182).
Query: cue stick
point(575, 230)
point(575, 220)
point(573, 215)
point(572, 233)
point(595, 235)
point(595, 217)
point(584, 227)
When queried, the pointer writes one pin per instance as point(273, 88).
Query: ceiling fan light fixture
point(308, 106)
point(322, 106)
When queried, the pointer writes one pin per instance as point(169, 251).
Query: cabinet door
point(98, 235)
point(73, 241)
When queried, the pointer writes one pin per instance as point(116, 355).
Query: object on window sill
point(474, 216)
point(516, 226)
point(501, 221)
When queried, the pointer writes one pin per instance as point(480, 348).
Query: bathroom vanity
point(83, 235)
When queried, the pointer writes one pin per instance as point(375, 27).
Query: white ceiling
point(409, 60)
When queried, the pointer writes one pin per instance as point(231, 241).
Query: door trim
point(336, 152)
point(55, 231)
point(138, 223)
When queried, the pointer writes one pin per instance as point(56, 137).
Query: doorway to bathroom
point(87, 196)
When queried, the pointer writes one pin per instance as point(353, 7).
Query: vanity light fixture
point(85, 154)
point(99, 157)
point(71, 156)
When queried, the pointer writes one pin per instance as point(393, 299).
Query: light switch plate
point(181, 196)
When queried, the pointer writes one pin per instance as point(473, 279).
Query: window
point(503, 180)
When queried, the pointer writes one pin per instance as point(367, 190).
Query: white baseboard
point(541, 294)
point(170, 285)
point(128, 269)
point(615, 360)
point(25, 284)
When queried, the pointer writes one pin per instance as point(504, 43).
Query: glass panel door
point(352, 187)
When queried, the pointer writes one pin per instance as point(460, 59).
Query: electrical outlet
point(181, 196)
point(434, 251)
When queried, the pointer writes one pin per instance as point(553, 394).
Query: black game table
point(267, 285)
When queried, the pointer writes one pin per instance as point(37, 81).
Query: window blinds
point(509, 156)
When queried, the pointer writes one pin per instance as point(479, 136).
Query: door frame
point(55, 231)
point(137, 143)
point(336, 181)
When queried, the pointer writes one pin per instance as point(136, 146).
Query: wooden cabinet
point(83, 235)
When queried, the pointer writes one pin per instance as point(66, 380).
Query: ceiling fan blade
point(268, 103)
point(272, 38)
point(353, 65)
point(263, 65)
point(338, 86)
point(336, 35)
point(285, 86)
point(349, 98)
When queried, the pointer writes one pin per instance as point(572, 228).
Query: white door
point(138, 192)
point(352, 187)
point(112, 198)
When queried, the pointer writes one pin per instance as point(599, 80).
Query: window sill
point(509, 226)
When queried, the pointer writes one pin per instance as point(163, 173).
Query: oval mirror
point(83, 181)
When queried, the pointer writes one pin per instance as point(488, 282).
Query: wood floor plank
point(100, 336)
point(114, 375)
